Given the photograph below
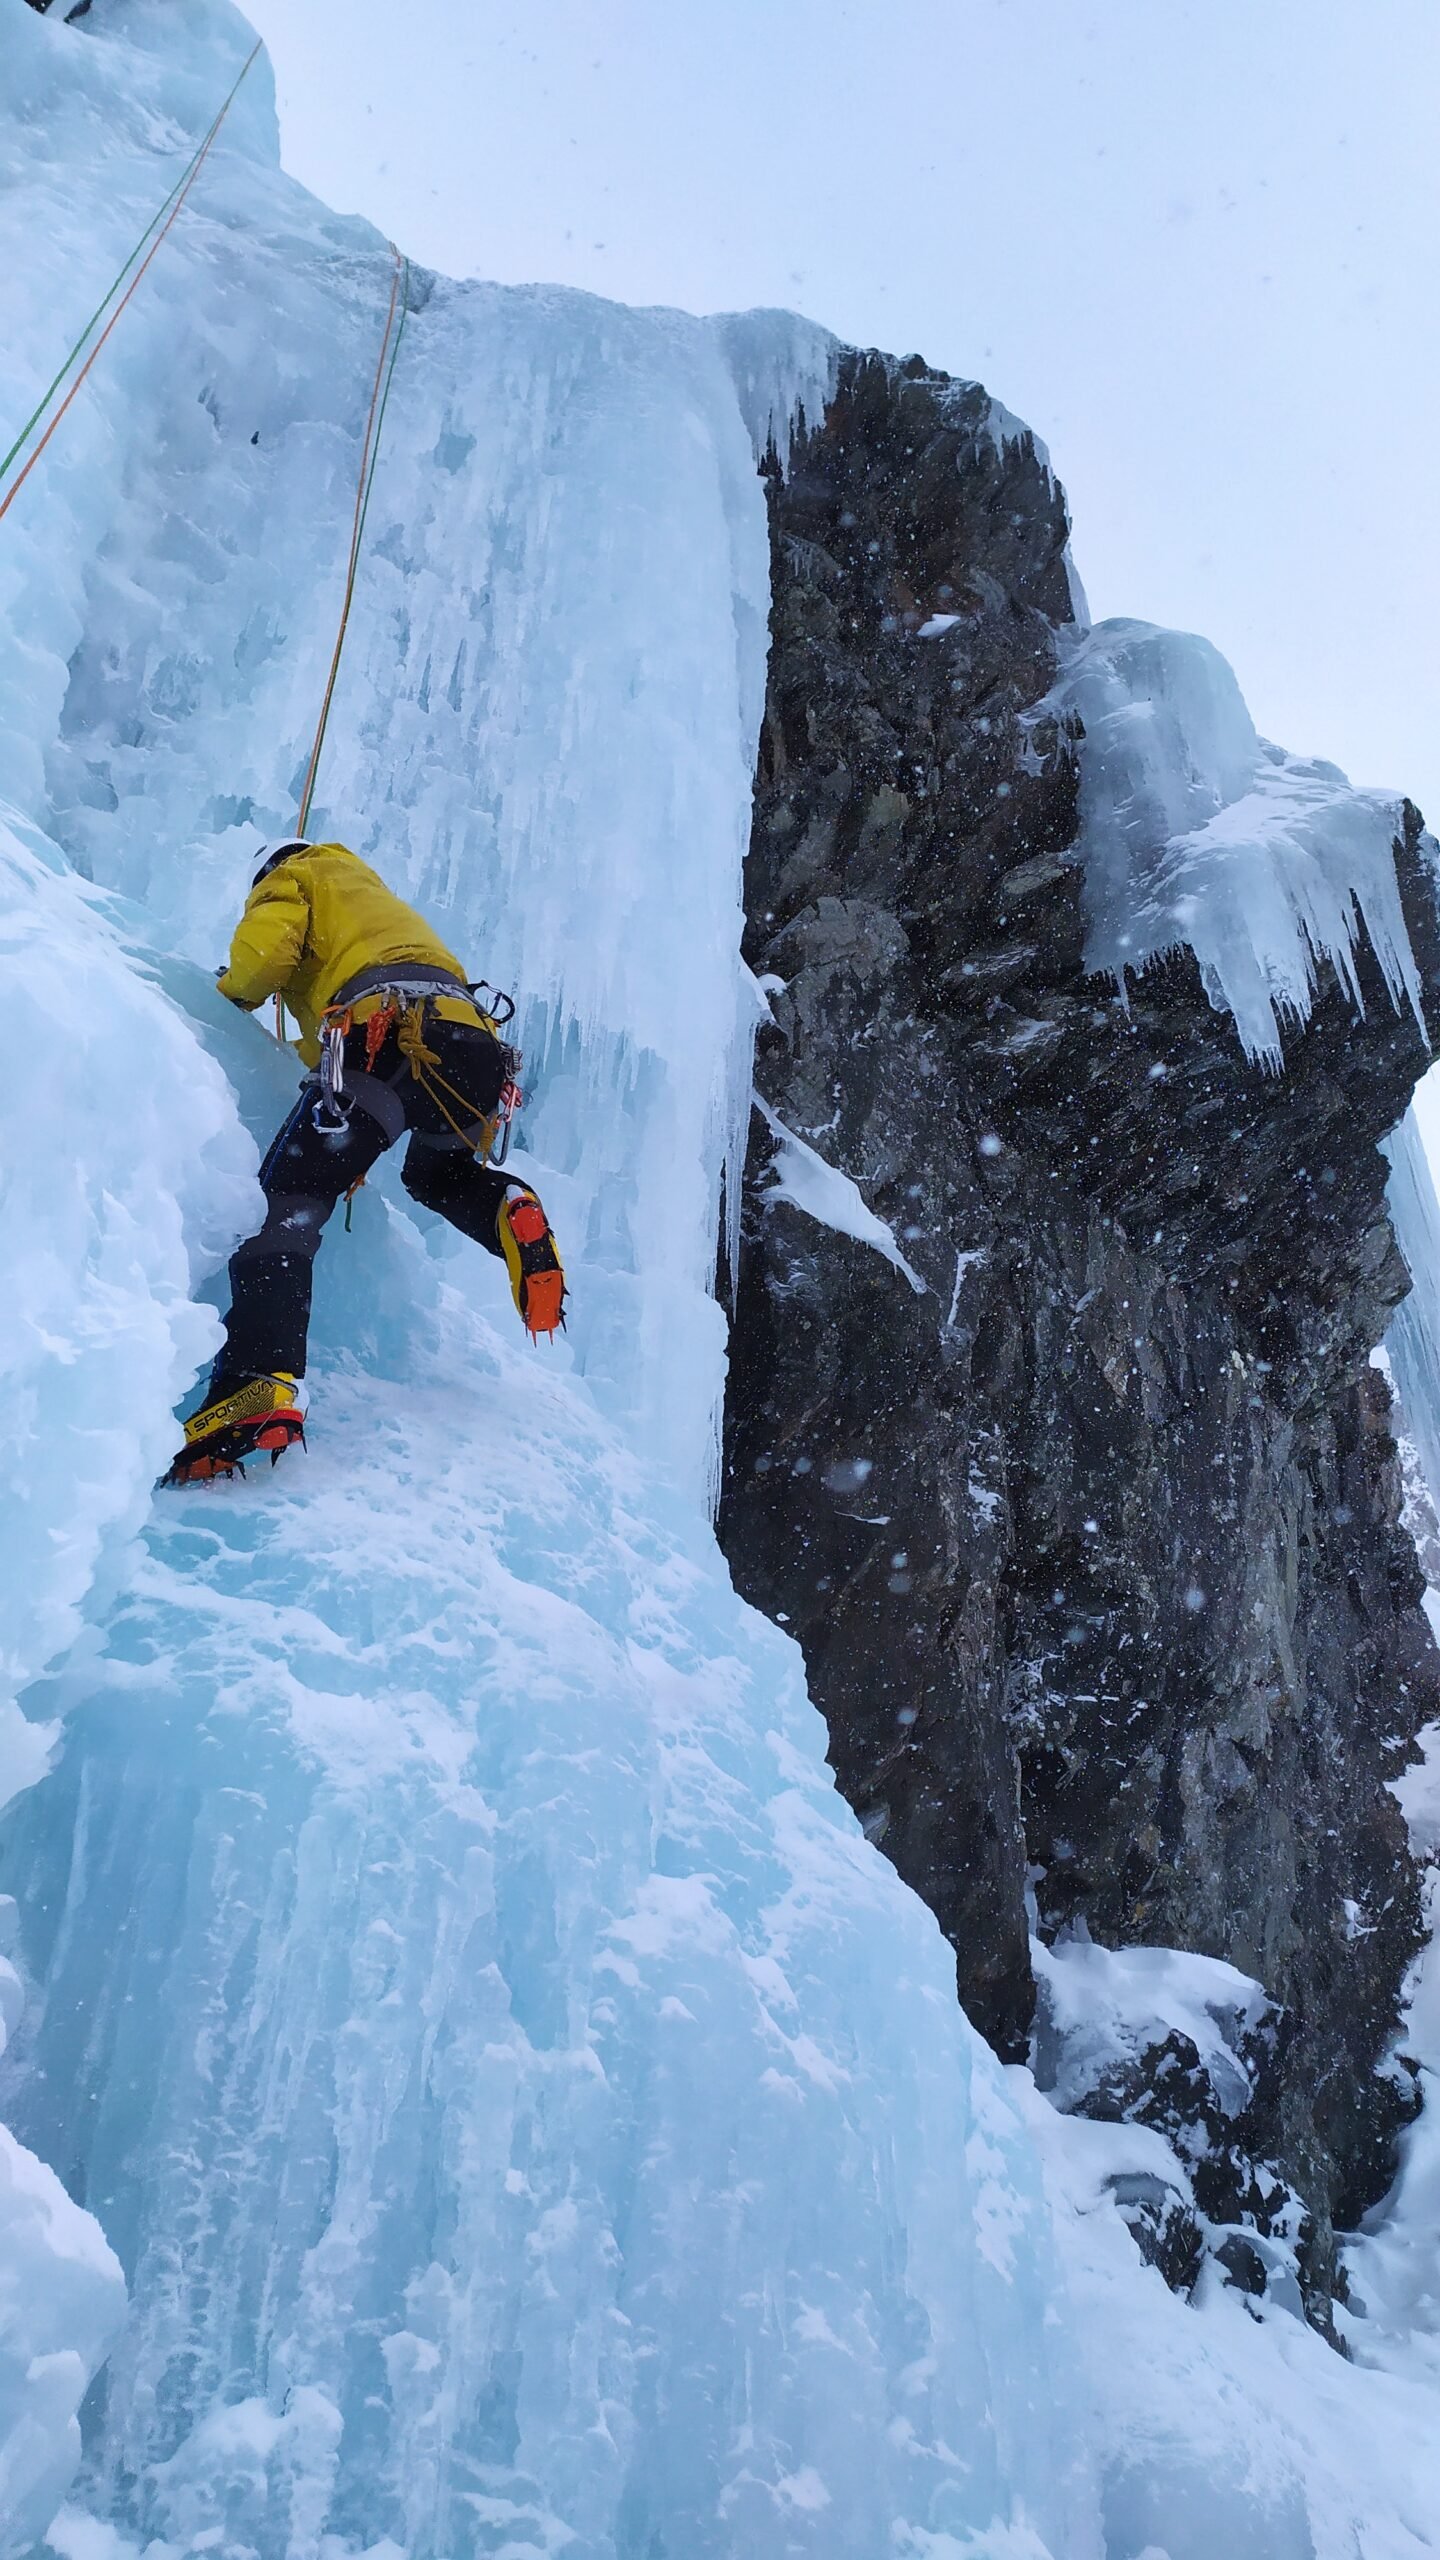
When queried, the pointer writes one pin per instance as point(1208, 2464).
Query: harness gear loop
point(332, 1112)
point(377, 1030)
point(490, 1013)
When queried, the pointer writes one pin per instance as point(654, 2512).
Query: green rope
point(98, 314)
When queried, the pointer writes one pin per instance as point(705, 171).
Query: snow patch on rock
point(822, 1192)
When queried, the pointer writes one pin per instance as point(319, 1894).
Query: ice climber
point(396, 1041)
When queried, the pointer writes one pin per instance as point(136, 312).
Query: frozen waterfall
point(528, 2117)
point(528, 2114)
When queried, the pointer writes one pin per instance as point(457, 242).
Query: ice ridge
point(1194, 830)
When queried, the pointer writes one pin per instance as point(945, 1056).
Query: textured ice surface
point(784, 372)
point(102, 1243)
point(62, 2298)
point(555, 668)
point(514, 2088)
point(1197, 831)
point(107, 1236)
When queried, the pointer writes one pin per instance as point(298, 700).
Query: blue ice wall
point(529, 2116)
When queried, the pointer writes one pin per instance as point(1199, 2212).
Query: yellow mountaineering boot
point(236, 1424)
point(532, 1259)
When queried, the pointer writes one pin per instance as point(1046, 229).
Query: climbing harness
point(391, 336)
point(403, 1007)
point(153, 236)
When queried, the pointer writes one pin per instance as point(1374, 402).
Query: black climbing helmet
point(274, 855)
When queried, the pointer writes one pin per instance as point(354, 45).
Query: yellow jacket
point(310, 927)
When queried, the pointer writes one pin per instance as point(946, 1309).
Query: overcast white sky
point(1194, 245)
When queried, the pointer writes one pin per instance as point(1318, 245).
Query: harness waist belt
point(402, 978)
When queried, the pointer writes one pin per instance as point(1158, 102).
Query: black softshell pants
point(309, 1167)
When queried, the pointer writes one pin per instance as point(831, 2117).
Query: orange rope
point(362, 493)
point(18, 483)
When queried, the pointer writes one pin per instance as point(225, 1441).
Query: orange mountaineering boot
point(532, 1259)
point(259, 1415)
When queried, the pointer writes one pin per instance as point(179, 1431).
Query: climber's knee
point(294, 1223)
point(451, 1182)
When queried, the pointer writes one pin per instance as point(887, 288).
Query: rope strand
point(369, 456)
point(160, 227)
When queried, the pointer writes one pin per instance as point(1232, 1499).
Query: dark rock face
point(1092, 1543)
